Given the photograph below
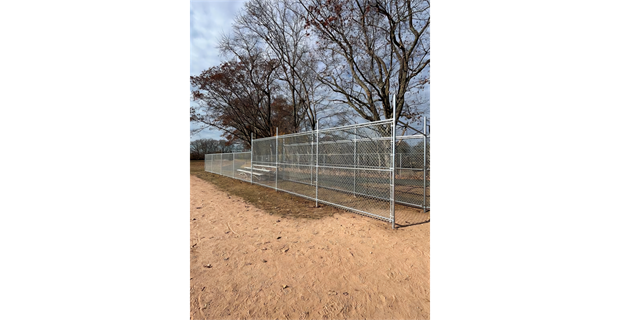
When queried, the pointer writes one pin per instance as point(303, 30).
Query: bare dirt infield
point(249, 264)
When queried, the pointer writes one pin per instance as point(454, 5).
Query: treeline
point(292, 63)
point(198, 148)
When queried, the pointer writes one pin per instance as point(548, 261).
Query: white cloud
point(208, 21)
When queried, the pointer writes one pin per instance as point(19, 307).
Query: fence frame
point(314, 154)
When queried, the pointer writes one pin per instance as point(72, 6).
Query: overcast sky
point(208, 20)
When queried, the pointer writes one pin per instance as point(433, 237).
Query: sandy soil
point(248, 264)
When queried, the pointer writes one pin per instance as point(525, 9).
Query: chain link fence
point(363, 168)
point(235, 165)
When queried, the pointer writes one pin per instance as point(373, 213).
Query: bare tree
point(198, 148)
point(371, 49)
point(277, 25)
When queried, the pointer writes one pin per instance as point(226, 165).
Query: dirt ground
point(249, 264)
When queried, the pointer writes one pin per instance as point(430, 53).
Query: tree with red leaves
point(240, 98)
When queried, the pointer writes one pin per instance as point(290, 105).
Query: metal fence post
point(252, 158)
point(355, 163)
point(316, 190)
point(221, 164)
point(392, 213)
point(276, 159)
point(233, 168)
point(311, 152)
point(425, 162)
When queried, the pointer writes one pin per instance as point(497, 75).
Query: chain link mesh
point(349, 167)
point(264, 161)
point(409, 180)
point(242, 167)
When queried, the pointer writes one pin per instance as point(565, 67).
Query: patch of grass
point(196, 166)
point(277, 203)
